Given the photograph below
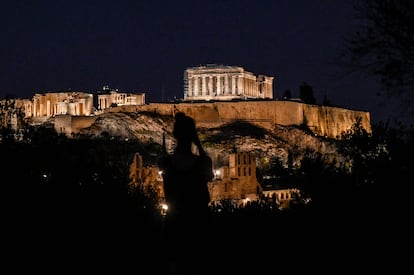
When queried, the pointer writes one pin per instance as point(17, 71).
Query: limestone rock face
point(322, 120)
point(288, 144)
point(145, 128)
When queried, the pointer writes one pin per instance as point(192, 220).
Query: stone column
point(255, 89)
point(240, 85)
point(218, 85)
point(209, 83)
point(48, 108)
point(226, 84)
point(233, 84)
point(190, 86)
point(203, 85)
point(196, 86)
point(37, 108)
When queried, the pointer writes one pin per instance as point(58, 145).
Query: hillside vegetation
point(71, 194)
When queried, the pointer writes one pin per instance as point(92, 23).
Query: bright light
point(217, 173)
point(164, 209)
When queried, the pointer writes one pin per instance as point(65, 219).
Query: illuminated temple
point(221, 82)
point(59, 103)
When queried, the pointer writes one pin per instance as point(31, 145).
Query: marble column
point(190, 87)
point(218, 85)
point(203, 85)
point(197, 86)
point(226, 84)
point(240, 85)
point(233, 84)
point(210, 85)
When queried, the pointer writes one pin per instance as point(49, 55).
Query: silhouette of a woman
point(185, 176)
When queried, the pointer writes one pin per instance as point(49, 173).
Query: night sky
point(145, 46)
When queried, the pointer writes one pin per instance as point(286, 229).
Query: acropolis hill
point(234, 111)
point(213, 95)
point(217, 94)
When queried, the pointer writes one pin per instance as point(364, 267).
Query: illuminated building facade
point(237, 181)
point(110, 98)
point(59, 103)
point(220, 82)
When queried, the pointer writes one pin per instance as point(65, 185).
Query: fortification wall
point(79, 122)
point(322, 120)
point(68, 124)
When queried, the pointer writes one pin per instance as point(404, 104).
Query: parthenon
point(221, 82)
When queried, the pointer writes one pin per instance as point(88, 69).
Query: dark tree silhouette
point(287, 94)
point(306, 93)
point(383, 45)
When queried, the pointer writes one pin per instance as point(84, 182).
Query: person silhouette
point(185, 176)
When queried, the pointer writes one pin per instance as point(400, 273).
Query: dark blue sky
point(145, 46)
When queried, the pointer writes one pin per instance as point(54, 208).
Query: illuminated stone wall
point(322, 120)
point(237, 181)
point(145, 178)
point(68, 125)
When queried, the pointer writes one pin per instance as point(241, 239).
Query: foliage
point(362, 151)
point(287, 94)
point(306, 93)
point(383, 45)
point(83, 184)
point(51, 179)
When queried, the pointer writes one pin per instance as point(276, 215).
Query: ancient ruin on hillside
point(220, 82)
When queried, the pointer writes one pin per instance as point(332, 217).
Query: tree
point(287, 94)
point(306, 93)
point(383, 45)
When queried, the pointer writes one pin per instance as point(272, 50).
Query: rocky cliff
point(287, 144)
point(322, 120)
